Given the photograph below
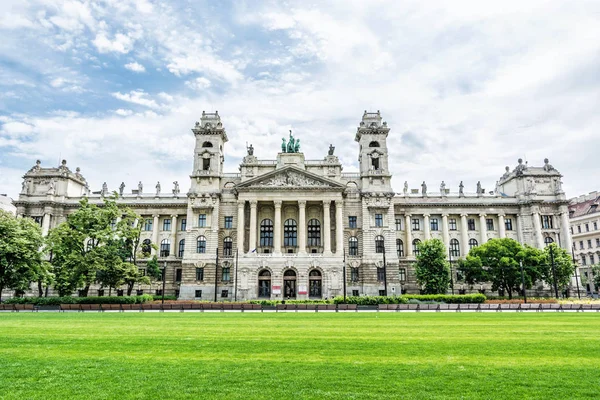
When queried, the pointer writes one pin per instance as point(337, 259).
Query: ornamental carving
point(290, 178)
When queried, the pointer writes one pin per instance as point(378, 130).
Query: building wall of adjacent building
point(7, 205)
point(584, 214)
point(528, 205)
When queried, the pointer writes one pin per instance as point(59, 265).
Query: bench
point(24, 307)
point(347, 307)
point(237, 306)
point(282, 307)
point(111, 307)
point(387, 307)
point(595, 306)
point(70, 307)
point(7, 307)
point(144, 307)
point(252, 307)
point(326, 307)
point(90, 307)
point(131, 307)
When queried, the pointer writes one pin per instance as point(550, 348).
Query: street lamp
point(451, 273)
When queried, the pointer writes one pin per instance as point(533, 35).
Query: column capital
point(277, 203)
point(407, 215)
point(339, 204)
point(174, 215)
point(445, 215)
point(302, 203)
point(155, 215)
point(482, 215)
point(427, 215)
point(241, 203)
point(326, 203)
point(464, 215)
point(253, 203)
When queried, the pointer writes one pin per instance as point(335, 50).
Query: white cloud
point(123, 112)
point(137, 97)
point(200, 83)
point(121, 43)
point(135, 67)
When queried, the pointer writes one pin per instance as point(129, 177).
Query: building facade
point(291, 227)
point(585, 223)
point(6, 204)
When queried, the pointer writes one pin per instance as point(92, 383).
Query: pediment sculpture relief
point(290, 179)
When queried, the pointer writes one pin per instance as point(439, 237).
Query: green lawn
point(299, 355)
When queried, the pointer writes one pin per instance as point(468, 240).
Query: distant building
point(584, 214)
point(292, 222)
point(6, 204)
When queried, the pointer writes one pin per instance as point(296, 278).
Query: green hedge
point(437, 298)
point(54, 301)
point(159, 297)
point(275, 302)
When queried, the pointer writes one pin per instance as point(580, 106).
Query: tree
point(563, 267)
point(593, 276)
point(20, 254)
point(498, 261)
point(432, 268)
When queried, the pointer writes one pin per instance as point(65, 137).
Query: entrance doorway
point(264, 283)
point(289, 284)
point(315, 284)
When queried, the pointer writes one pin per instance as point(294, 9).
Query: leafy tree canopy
point(432, 268)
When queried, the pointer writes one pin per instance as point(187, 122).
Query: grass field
point(299, 355)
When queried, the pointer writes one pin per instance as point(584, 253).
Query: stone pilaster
point(253, 227)
point(277, 228)
point(326, 227)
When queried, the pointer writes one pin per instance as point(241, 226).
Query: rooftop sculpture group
point(292, 145)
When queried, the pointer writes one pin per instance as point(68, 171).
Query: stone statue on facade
point(520, 168)
point(176, 188)
point(548, 167)
point(557, 185)
point(331, 149)
point(497, 188)
point(121, 189)
point(506, 173)
point(283, 145)
point(250, 150)
point(140, 187)
point(479, 191)
point(297, 146)
point(291, 145)
point(158, 188)
point(405, 188)
point(443, 188)
point(424, 188)
point(461, 189)
point(104, 190)
point(51, 187)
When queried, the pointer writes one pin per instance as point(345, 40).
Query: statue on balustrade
point(140, 187)
point(461, 189)
point(158, 188)
point(121, 189)
point(424, 189)
point(331, 149)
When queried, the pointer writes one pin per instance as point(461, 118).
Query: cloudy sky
point(466, 87)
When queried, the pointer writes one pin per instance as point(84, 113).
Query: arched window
point(374, 144)
point(264, 283)
point(473, 243)
point(379, 245)
point(289, 283)
point(353, 246)
point(181, 248)
point(548, 240)
point(227, 246)
point(148, 225)
point(165, 248)
point(201, 244)
point(266, 233)
point(207, 144)
point(315, 281)
point(290, 233)
point(454, 248)
point(399, 248)
point(314, 232)
point(415, 245)
point(147, 247)
point(89, 245)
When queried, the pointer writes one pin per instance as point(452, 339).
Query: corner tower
point(373, 154)
point(208, 152)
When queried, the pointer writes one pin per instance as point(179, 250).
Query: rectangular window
point(158, 292)
point(378, 220)
point(589, 243)
point(583, 260)
point(380, 274)
point(402, 274)
point(471, 224)
point(581, 245)
point(355, 293)
point(489, 224)
point(183, 224)
point(592, 259)
point(597, 242)
point(202, 221)
point(167, 224)
point(381, 292)
point(546, 221)
point(587, 227)
point(38, 220)
point(595, 226)
point(206, 164)
point(416, 224)
point(434, 224)
point(141, 271)
point(352, 222)
point(398, 224)
point(354, 274)
point(198, 294)
point(199, 274)
point(162, 273)
point(353, 246)
point(452, 224)
point(148, 225)
point(225, 275)
point(224, 293)
point(100, 292)
point(228, 222)
point(578, 228)
point(508, 224)
point(178, 273)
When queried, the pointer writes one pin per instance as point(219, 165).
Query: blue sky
point(466, 87)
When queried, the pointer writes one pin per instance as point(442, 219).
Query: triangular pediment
point(290, 178)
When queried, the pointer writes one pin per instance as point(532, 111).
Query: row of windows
point(434, 224)
point(589, 243)
point(587, 227)
point(165, 246)
point(584, 259)
point(148, 223)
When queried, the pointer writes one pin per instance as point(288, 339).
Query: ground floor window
point(264, 283)
point(315, 283)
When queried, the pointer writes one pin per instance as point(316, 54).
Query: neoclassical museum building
point(295, 228)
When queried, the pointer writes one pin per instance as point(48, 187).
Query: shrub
point(425, 298)
point(55, 301)
point(159, 297)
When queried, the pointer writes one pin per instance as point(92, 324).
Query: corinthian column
point(174, 246)
point(302, 227)
point(326, 228)
point(427, 227)
point(339, 228)
point(277, 228)
point(409, 250)
point(240, 226)
point(464, 237)
point(537, 225)
point(483, 228)
point(155, 233)
point(501, 226)
point(565, 238)
point(253, 228)
point(445, 234)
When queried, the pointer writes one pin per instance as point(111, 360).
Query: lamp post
point(575, 268)
point(164, 275)
point(523, 281)
point(553, 271)
point(236, 271)
point(216, 271)
point(344, 274)
point(451, 273)
point(384, 272)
